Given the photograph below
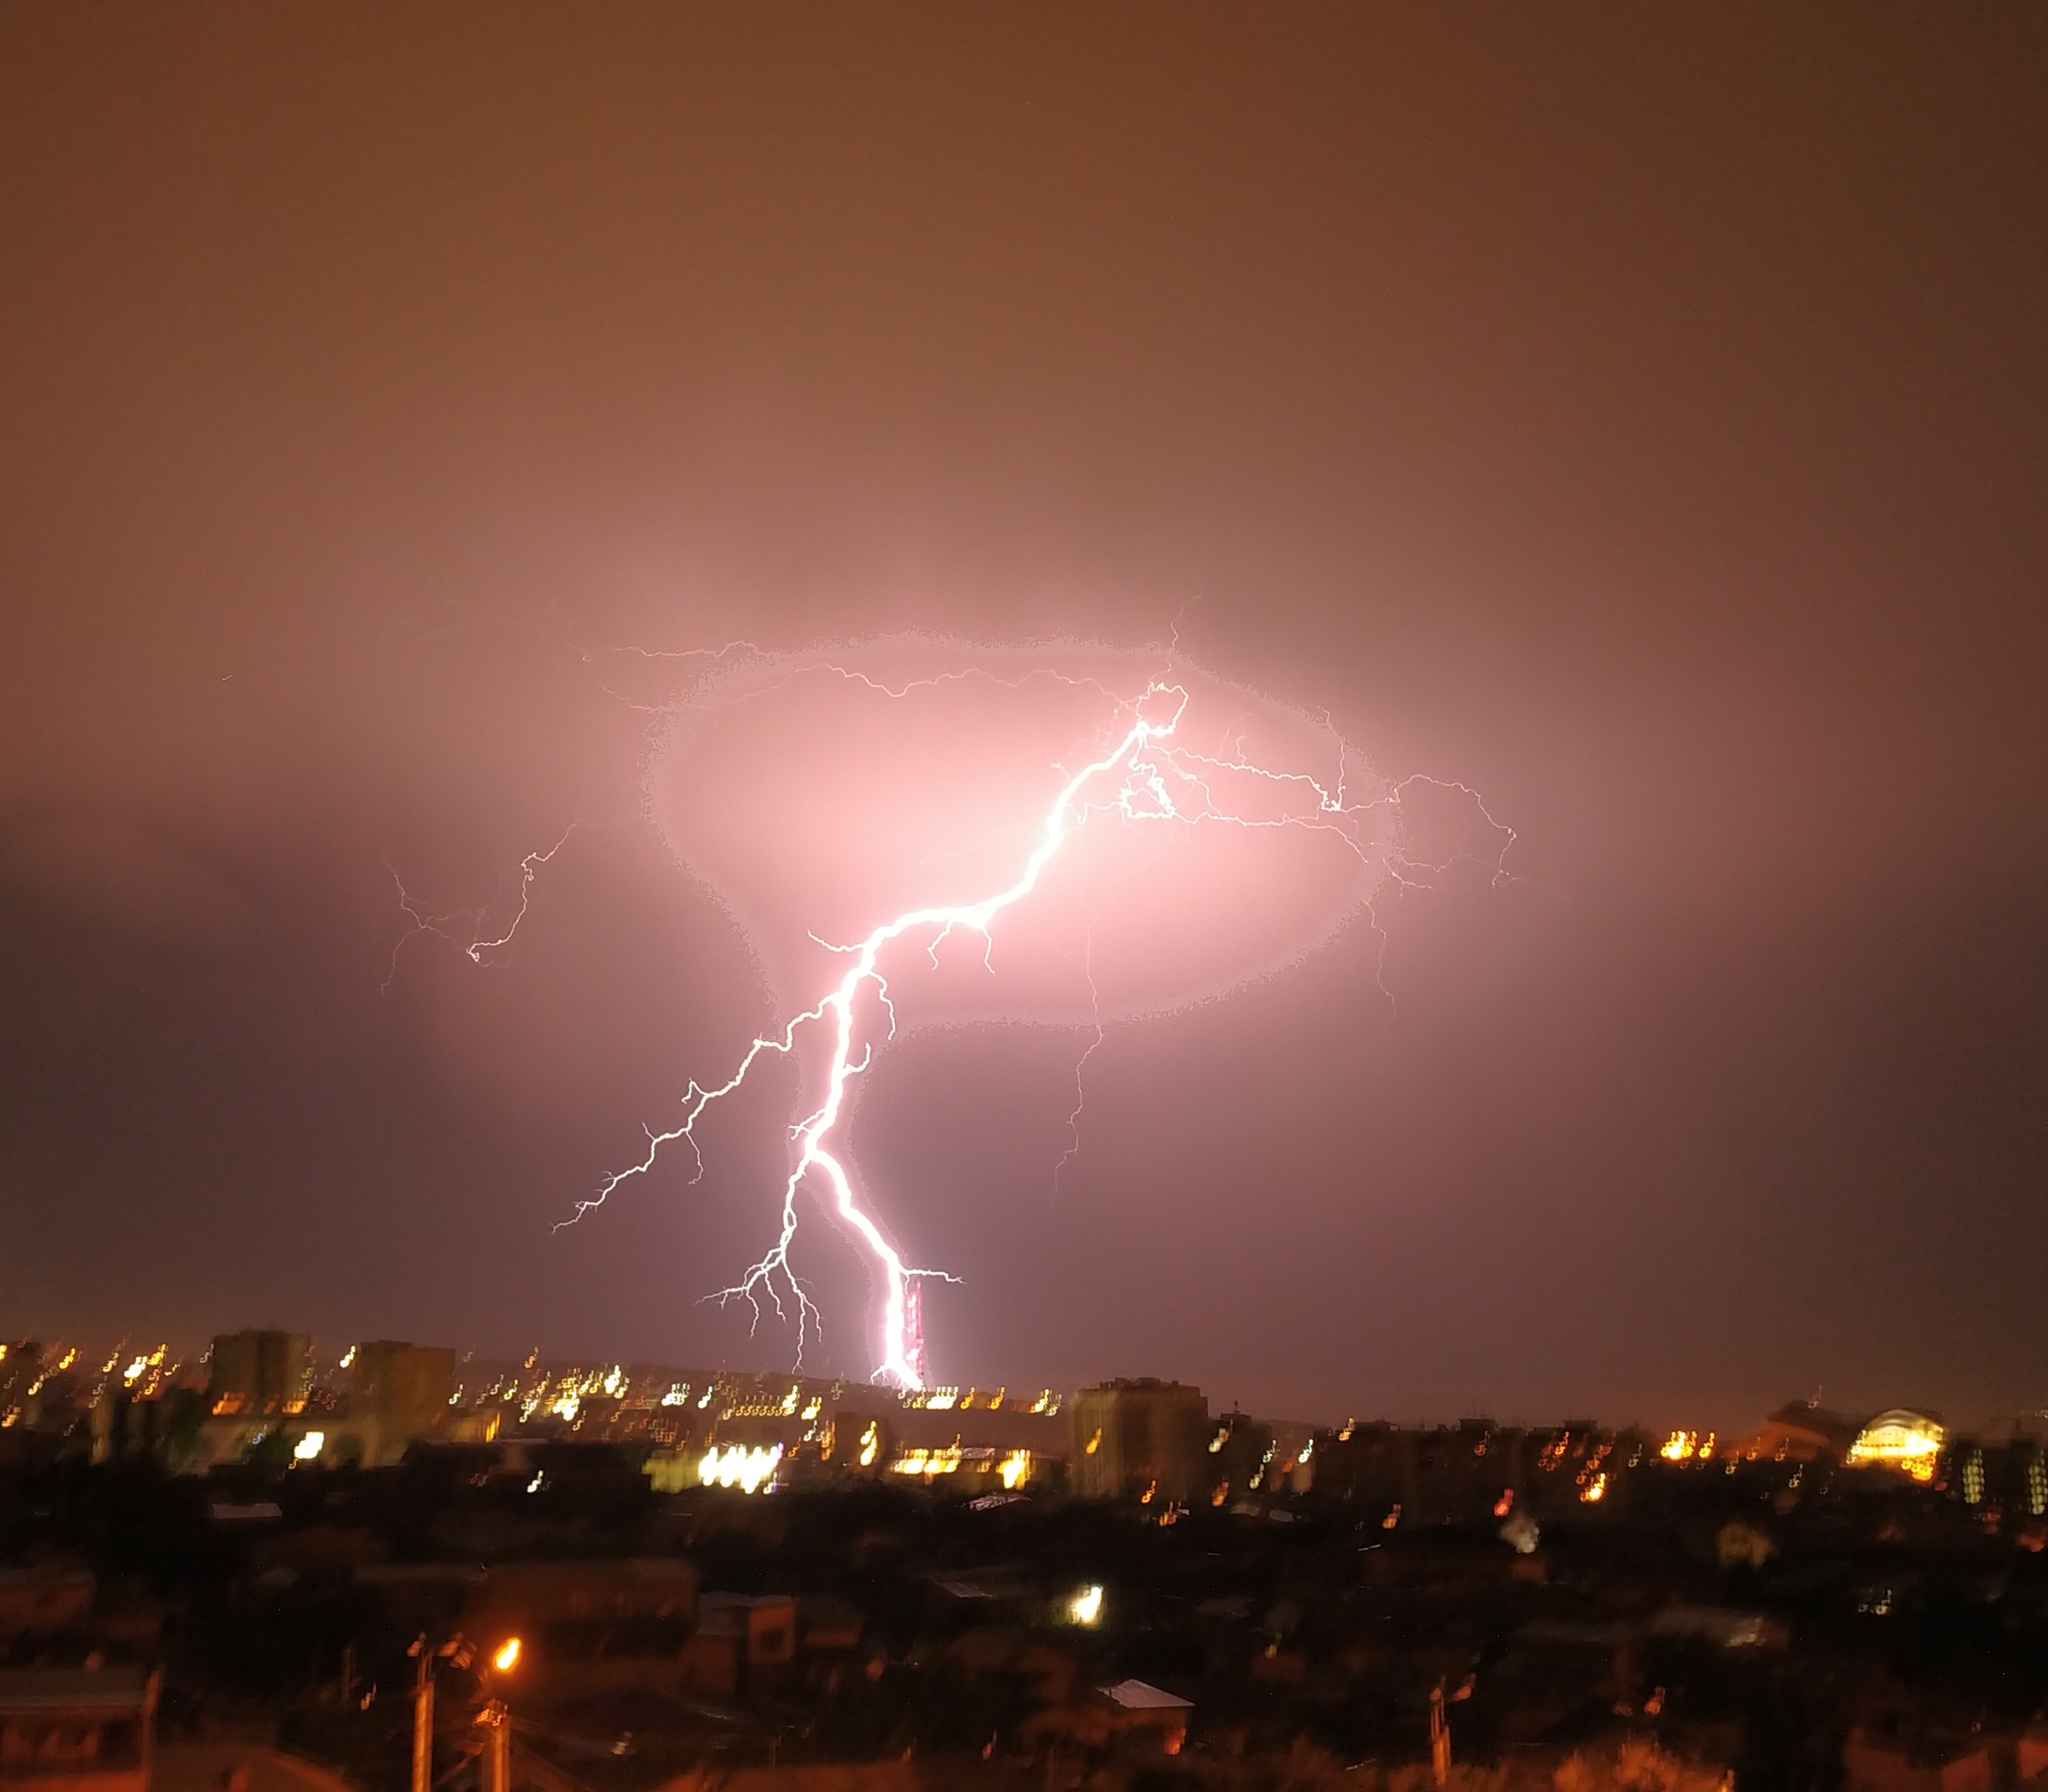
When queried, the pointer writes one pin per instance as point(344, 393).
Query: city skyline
point(148, 1370)
point(1635, 424)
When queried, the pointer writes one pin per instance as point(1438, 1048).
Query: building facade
point(1142, 1439)
point(259, 1374)
point(402, 1394)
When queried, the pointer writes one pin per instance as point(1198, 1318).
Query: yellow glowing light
point(134, 1370)
point(566, 1407)
point(870, 1442)
point(1016, 1468)
point(1086, 1606)
point(1902, 1440)
point(1679, 1446)
point(738, 1466)
point(928, 1462)
point(507, 1657)
point(1594, 1490)
point(942, 1399)
point(1094, 1443)
point(308, 1448)
point(348, 1356)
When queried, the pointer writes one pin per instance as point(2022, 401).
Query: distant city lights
point(749, 1468)
point(1899, 1439)
point(1014, 1466)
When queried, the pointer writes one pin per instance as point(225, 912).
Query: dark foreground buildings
point(669, 1581)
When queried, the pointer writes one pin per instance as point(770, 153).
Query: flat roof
point(1140, 1695)
point(111, 1690)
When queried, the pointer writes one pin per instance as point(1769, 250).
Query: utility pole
point(497, 1722)
point(1440, 1726)
point(1439, 1736)
point(423, 1719)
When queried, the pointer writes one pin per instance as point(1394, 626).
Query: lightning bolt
point(1144, 778)
point(1073, 1149)
point(476, 946)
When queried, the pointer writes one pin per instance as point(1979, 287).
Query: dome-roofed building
point(1901, 1439)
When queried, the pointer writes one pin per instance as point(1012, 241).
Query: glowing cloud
point(1063, 834)
point(918, 832)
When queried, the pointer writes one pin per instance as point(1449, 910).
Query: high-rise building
point(259, 1373)
point(401, 1394)
point(1142, 1438)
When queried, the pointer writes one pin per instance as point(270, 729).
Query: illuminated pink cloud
point(913, 832)
point(818, 794)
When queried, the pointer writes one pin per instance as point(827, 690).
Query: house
point(77, 1730)
point(1148, 1712)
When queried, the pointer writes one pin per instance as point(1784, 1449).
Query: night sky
point(1636, 415)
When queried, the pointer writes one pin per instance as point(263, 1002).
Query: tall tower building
point(1145, 1439)
point(401, 1394)
point(259, 1372)
point(913, 1329)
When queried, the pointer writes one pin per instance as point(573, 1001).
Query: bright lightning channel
point(1142, 778)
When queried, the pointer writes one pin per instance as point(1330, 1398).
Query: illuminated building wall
point(2007, 1476)
point(1145, 1439)
point(258, 1373)
point(401, 1394)
point(1901, 1439)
